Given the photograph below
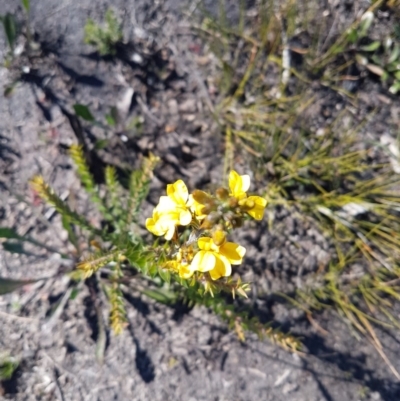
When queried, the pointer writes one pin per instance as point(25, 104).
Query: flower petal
point(233, 252)
point(238, 184)
point(165, 204)
point(178, 192)
point(205, 243)
point(203, 261)
point(150, 225)
point(257, 212)
point(245, 182)
point(222, 268)
point(169, 232)
point(185, 217)
point(185, 271)
point(196, 208)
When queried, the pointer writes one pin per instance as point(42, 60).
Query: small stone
point(282, 378)
point(188, 106)
point(125, 101)
point(189, 117)
point(137, 58)
point(375, 396)
point(173, 106)
point(289, 388)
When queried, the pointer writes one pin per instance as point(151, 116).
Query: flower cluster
point(206, 252)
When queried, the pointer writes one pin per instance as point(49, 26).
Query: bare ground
point(166, 354)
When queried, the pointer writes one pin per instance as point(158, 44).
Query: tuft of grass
point(8, 366)
point(104, 38)
point(344, 186)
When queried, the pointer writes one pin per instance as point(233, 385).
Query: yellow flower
point(172, 210)
point(255, 206)
point(197, 208)
point(238, 184)
point(252, 205)
point(216, 259)
point(183, 268)
point(201, 204)
point(181, 263)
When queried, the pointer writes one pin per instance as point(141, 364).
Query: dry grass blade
point(327, 177)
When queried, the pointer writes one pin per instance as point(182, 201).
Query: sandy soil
point(165, 354)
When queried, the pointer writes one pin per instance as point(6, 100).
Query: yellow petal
point(165, 204)
point(178, 192)
point(163, 223)
point(203, 261)
point(196, 208)
point(222, 268)
point(185, 271)
point(205, 243)
point(257, 212)
point(238, 184)
point(169, 232)
point(150, 223)
point(185, 217)
point(233, 252)
point(177, 217)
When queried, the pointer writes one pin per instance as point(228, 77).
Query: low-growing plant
point(104, 38)
point(8, 366)
point(10, 30)
point(381, 57)
point(192, 260)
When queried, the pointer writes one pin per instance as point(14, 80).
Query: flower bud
point(246, 204)
point(237, 222)
point(201, 196)
point(250, 203)
point(206, 224)
point(219, 236)
point(222, 193)
point(207, 209)
point(211, 220)
point(232, 202)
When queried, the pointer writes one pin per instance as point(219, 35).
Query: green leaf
point(352, 36)
point(165, 275)
point(101, 144)
point(83, 111)
point(395, 54)
point(365, 24)
point(8, 285)
point(395, 88)
point(110, 120)
point(27, 5)
point(152, 270)
point(371, 47)
point(10, 28)
point(392, 67)
point(397, 75)
point(14, 247)
point(74, 294)
point(162, 296)
point(9, 233)
point(66, 223)
point(112, 117)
